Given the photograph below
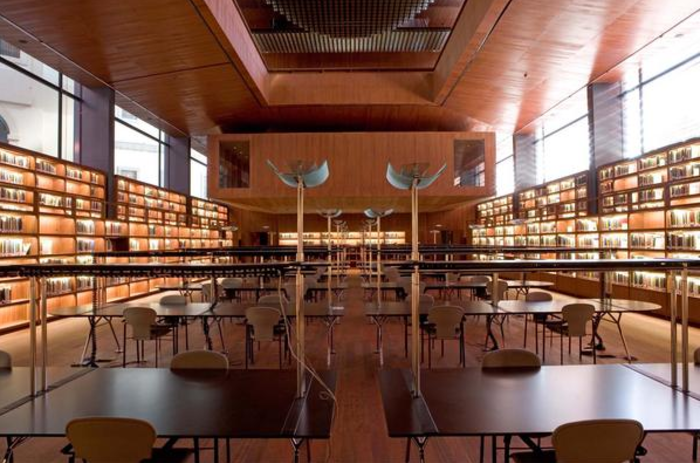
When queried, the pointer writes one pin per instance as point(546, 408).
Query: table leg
point(296, 444)
point(207, 335)
point(114, 335)
point(489, 333)
point(618, 322)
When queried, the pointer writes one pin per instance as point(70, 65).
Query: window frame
point(161, 140)
point(60, 93)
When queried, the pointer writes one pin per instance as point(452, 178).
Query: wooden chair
point(507, 358)
point(142, 321)
point(199, 359)
point(535, 296)
point(600, 441)
point(445, 324)
point(575, 318)
point(511, 358)
point(177, 299)
point(118, 440)
point(202, 360)
point(5, 359)
point(230, 288)
point(262, 324)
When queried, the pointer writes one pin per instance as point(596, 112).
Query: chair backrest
point(577, 317)
point(696, 356)
point(424, 301)
point(206, 292)
point(273, 299)
point(111, 440)
point(5, 359)
point(447, 320)
point(475, 278)
point(174, 299)
point(291, 290)
point(310, 280)
point(251, 280)
point(536, 296)
point(452, 276)
point(199, 359)
point(392, 273)
point(501, 286)
point(511, 358)
point(231, 283)
point(405, 283)
point(263, 321)
point(140, 319)
point(601, 441)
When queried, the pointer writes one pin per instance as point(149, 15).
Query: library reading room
point(349, 231)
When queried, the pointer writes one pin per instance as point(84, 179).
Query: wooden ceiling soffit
point(228, 26)
point(474, 25)
point(343, 88)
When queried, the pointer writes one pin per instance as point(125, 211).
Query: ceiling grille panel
point(397, 41)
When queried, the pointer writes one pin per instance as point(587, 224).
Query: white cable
point(327, 393)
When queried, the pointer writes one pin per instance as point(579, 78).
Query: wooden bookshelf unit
point(649, 207)
point(54, 211)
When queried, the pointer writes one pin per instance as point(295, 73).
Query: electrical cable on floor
point(327, 393)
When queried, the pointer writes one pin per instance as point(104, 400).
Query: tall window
point(198, 174)
point(505, 166)
point(661, 103)
point(39, 107)
point(563, 146)
point(139, 148)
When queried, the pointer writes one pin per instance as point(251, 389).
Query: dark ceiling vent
point(349, 18)
point(398, 41)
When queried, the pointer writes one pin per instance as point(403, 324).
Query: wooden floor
point(359, 433)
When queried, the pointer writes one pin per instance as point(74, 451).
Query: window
point(563, 146)
point(198, 174)
point(505, 166)
point(469, 163)
point(234, 164)
point(139, 148)
point(39, 106)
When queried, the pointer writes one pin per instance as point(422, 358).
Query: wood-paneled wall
point(358, 163)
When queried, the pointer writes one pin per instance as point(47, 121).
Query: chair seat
point(170, 456)
point(548, 456)
point(160, 330)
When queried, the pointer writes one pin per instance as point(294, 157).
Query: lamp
point(330, 214)
point(378, 214)
point(302, 175)
point(414, 177)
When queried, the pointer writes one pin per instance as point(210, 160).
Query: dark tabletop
point(472, 401)
point(662, 372)
point(403, 308)
point(14, 382)
point(556, 306)
point(191, 309)
point(311, 309)
point(201, 403)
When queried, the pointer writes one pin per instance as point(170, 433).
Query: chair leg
point(157, 343)
point(124, 348)
point(408, 449)
point(561, 347)
point(525, 335)
point(695, 446)
point(430, 352)
point(308, 450)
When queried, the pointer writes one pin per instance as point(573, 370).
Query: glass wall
point(505, 165)
point(198, 174)
point(139, 148)
point(661, 105)
point(39, 107)
point(563, 146)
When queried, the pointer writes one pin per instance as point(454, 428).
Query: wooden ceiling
point(193, 64)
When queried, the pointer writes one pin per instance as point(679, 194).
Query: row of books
point(11, 247)
point(10, 224)
point(13, 159)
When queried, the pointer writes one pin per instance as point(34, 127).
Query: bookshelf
point(54, 211)
point(207, 214)
point(497, 211)
point(649, 207)
point(144, 203)
point(347, 238)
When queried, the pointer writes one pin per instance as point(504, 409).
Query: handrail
point(561, 265)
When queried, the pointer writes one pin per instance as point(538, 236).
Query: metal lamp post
point(301, 176)
point(330, 214)
point(413, 177)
